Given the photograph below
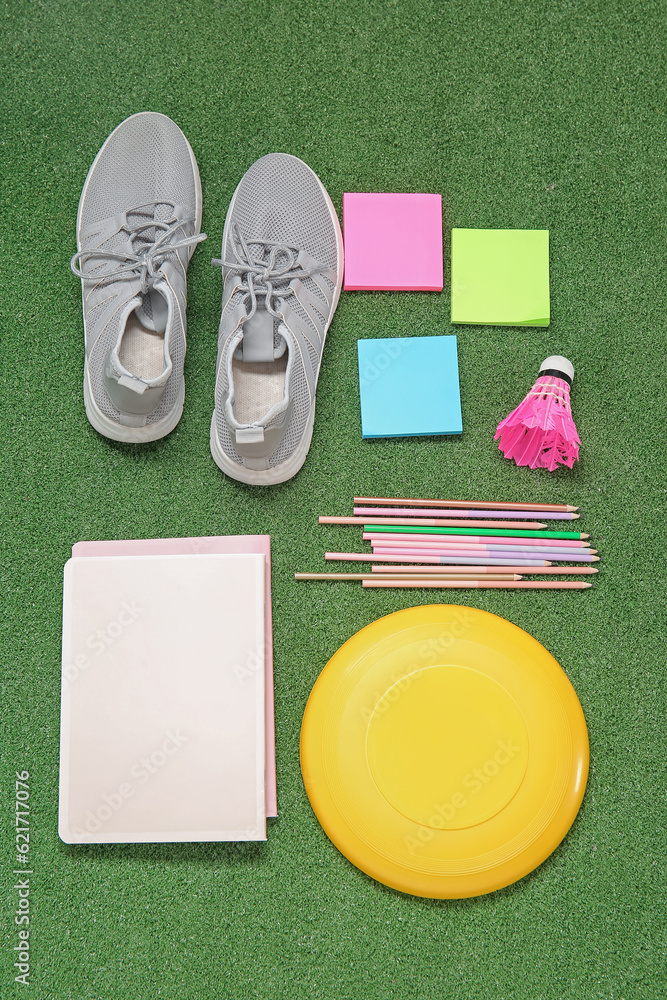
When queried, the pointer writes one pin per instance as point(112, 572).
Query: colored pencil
point(483, 584)
point(490, 504)
point(493, 555)
point(428, 522)
point(447, 546)
point(466, 558)
point(464, 540)
point(435, 512)
point(498, 532)
point(415, 576)
point(437, 571)
point(450, 571)
point(433, 560)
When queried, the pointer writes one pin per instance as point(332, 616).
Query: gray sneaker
point(282, 263)
point(138, 222)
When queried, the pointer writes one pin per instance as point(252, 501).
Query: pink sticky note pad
point(217, 544)
point(393, 242)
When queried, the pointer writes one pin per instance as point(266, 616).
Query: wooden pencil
point(406, 576)
point(471, 567)
point(492, 555)
point(479, 532)
point(431, 522)
point(559, 555)
point(465, 540)
point(524, 515)
point(452, 542)
point(489, 504)
point(482, 584)
point(435, 571)
point(467, 558)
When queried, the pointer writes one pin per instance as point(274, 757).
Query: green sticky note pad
point(500, 277)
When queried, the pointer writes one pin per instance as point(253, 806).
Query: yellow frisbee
point(444, 751)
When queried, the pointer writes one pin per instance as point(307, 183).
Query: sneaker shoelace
point(266, 271)
point(150, 253)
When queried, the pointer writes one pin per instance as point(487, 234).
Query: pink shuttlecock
point(540, 433)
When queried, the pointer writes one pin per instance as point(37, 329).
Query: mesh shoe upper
point(139, 218)
point(282, 265)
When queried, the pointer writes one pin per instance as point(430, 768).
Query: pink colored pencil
point(490, 504)
point(444, 545)
point(490, 555)
point(434, 512)
point(395, 536)
point(363, 557)
point(473, 559)
point(439, 570)
point(432, 522)
point(421, 538)
point(482, 584)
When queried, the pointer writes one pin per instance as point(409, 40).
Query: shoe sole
point(103, 424)
point(286, 470)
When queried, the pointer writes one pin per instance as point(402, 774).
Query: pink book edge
point(216, 545)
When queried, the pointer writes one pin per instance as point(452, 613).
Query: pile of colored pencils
point(449, 544)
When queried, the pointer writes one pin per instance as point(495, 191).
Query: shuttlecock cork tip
point(557, 364)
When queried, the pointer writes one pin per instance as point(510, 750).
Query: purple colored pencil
point(466, 555)
point(429, 512)
point(534, 550)
point(453, 560)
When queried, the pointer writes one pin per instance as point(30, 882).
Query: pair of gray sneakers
point(138, 223)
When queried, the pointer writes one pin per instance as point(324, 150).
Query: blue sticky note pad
point(409, 386)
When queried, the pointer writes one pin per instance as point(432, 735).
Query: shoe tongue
point(158, 212)
point(262, 340)
point(152, 311)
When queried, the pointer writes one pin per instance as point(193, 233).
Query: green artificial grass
point(532, 116)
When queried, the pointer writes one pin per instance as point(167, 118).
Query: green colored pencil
point(514, 532)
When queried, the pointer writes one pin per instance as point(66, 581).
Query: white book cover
point(162, 706)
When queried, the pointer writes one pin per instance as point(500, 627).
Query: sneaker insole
point(141, 350)
point(258, 385)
